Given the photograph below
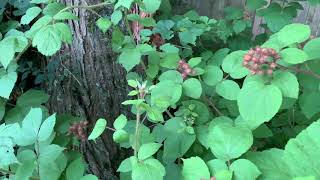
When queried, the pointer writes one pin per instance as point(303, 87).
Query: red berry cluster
point(185, 69)
point(261, 60)
point(78, 130)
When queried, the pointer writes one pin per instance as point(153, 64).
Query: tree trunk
point(90, 83)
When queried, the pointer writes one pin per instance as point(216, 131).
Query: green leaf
point(64, 32)
point(294, 33)
point(244, 170)
point(163, 27)
point(39, 1)
point(293, 56)
point(171, 75)
point(224, 175)
point(178, 141)
point(259, 103)
point(194, 61)
point(165, 93)
point(49, 153)
point(53, 8)
point(75, 170)
point(116, 17)
point(309, 105)
point(51, 45)
point(232, 64)
point(154, 115)
point(270, 163)
point(213, 75)
point(125, 166)
point(133, 102)
point(150, 6)
point(89, 177)
point(39, 24)
point(299, 157)
point(157, 164)
point(216, 165)
point(199, 108)
point(228, 89)
point(229, 142)
point(145, 49)
point(120, 122)
point(120, 136)
point(7, 152)
point(133, 83)
point(30, 127)
point(192, 88)
point(7, 51)
point(129, 58)
point(173, 171)
point(2, 108)
point(262, 131)
point(65, 16)
point(98, 129)
point(255, 4)
point(287, 83)
point(145, 172)
point(124, 3)
point(7, 82)
point(46, 128)
point(195, 168)
point(170, 60)
point(103, 24)
point(312, 49)
point(32, 98)
point(31, 13)
point(305, 178)
point(239, 26)
point(147, 22)
point(25, 169)
point(169, 48)
point(147, 150)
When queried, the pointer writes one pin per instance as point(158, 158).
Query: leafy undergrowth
point(212, 103)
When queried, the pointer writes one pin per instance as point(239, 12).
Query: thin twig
point(71, 73)
point(111, 129)
point(213, 106)
point(169, 114)
point(144, 118)
point(85, 6)
point(301, 71)
point(22, 52)
point(136, 144)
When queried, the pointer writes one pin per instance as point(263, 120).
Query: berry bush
point(211, 101)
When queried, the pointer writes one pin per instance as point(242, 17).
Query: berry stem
point(301, 71)
point(136, 144)
point(213, 106)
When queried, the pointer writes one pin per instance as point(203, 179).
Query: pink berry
point(273, 65)
point(185, 66)
point(247, 57)
point(188, 71)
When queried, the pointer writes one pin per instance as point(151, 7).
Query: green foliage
point(195, 168)
point(200, 113)
point(98, 129)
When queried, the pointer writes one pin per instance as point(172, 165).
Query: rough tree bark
point(90, 83)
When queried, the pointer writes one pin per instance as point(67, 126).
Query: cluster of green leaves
point(221, 121)
point(218, 122)
point(33, 144)
point(47, 23)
